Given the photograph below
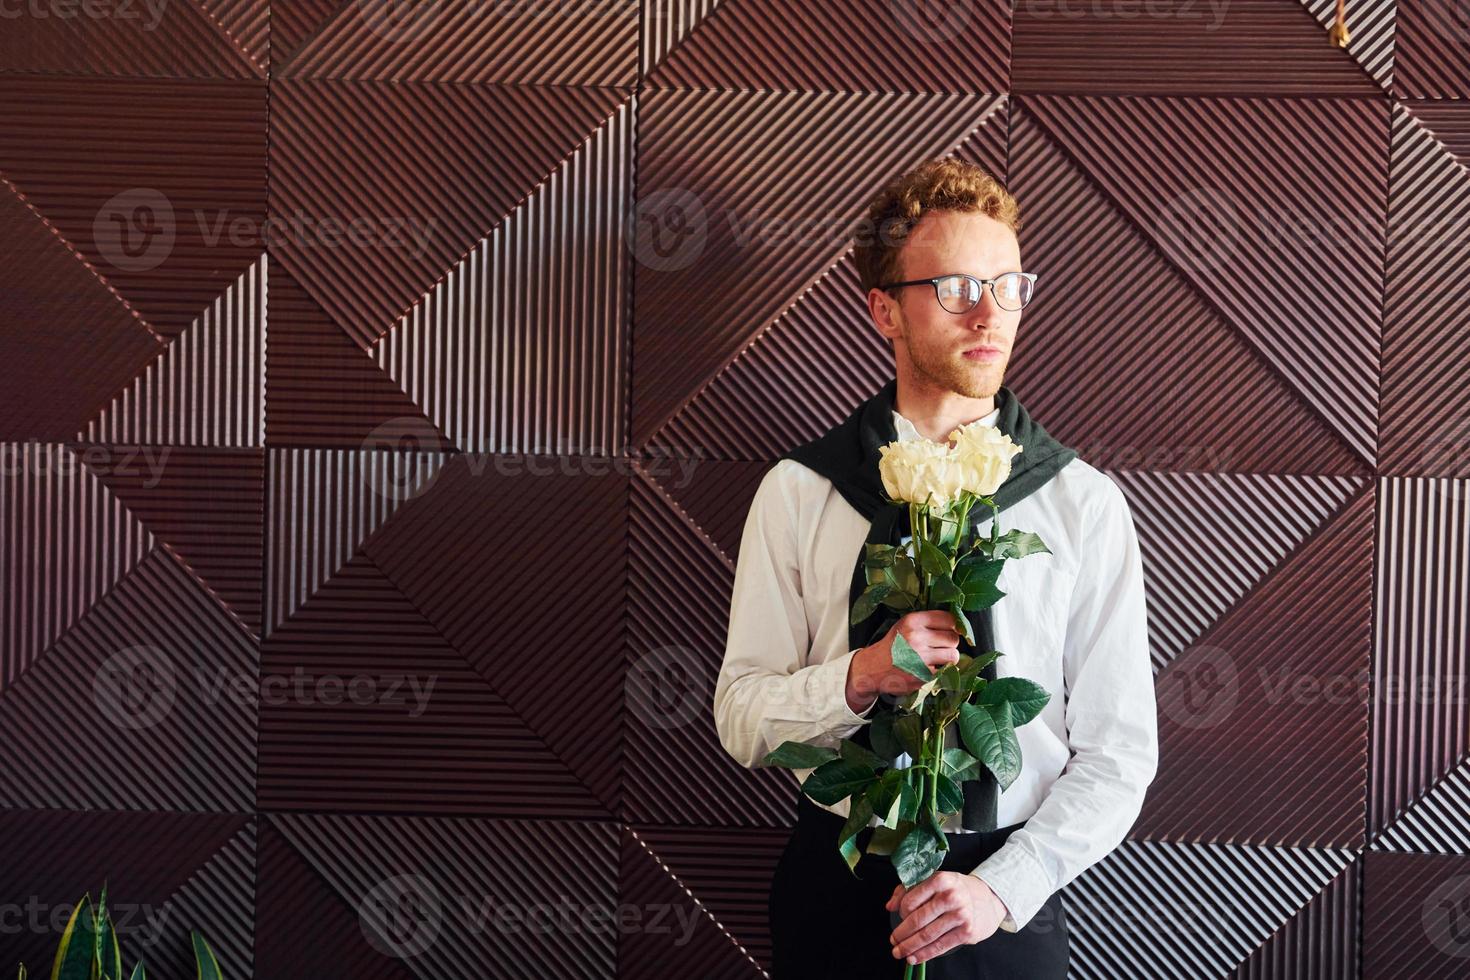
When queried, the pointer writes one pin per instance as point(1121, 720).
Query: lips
point(982, 353)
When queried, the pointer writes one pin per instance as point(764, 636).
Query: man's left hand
point(945, 910)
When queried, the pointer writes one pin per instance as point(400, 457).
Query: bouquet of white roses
point(945, 565)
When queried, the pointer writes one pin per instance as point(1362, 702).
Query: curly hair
point(934, 185)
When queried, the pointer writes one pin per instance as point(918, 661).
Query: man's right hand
point(930, 632)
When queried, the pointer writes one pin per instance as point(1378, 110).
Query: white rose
point(983, 457)
point(919, 471)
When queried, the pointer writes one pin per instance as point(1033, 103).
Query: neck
point(936, 412)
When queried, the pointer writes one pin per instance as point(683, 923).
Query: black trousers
point(826, 923)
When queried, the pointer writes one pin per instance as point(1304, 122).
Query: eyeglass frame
point(983, 283)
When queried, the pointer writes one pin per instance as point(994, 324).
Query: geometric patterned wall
point(385, 387)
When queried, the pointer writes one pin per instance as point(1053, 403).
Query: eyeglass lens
point(959, 294)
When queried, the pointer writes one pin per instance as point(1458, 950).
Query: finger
point(893, 899)
point(932, 618)
point(931, 936)
point(922, 892)
point(915, 922)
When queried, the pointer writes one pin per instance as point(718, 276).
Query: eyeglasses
point(959, 293)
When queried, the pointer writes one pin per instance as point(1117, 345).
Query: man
point(1073, 621)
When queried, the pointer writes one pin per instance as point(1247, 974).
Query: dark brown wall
point(346, 343)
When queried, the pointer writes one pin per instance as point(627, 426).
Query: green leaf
point(947, 795)
point(918, 855)
point(909, 792)
point(987, 732)
point(848, 749)
point(960, 765)
point(903, 574)
point(836, 780)
point(860, 813)
point(943, 591)
point(962, 623)
point(906, 658)
point(976, 576)
point(798, 755)
point(932, 559)
point(107, 957)
point(972, 667)
point(879, 555)
point(1019, 544)
point(883, 796)
point(74, 955)
point(204, 959)
point(1026, 698)
point(138, 972)
point(882, 737)
point(886, 839)
point(910, 732)
point(867, 603)
point(898, 601)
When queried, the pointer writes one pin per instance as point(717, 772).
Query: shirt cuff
point(1018, 881)
point(842, 720)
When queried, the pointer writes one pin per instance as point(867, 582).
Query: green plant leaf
point(947, 795)
point(882, 737)
point(971, 670)
point(859, 814)
point(867, 603)
point(932, 559)
point(138, 972)
point(909, 793)
point(943, 591)
point(904, 574)
point(836, 780)
point(107, 958)
point(848, 749)
point(879, 555)
point(798, 755)
point(882, 796)
point(987, 732)
point(1026, 698)
point(1019, 544)
point(204, 958)
point(74, 955)
point(910, 732)
point(962, 622)
point(906, 658)
point(885, 839)
point(918, 855)
point(960, 765)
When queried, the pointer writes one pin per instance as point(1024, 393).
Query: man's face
point(933, 340)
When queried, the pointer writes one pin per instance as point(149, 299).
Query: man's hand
point(930, 632)
point(945, 910)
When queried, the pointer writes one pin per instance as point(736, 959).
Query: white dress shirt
point(1073, 621)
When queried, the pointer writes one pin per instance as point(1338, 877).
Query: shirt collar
point(906, 429)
